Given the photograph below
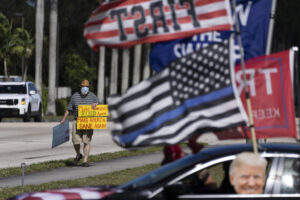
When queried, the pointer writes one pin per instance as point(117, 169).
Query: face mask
point(84, 90)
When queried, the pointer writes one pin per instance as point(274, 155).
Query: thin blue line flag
point(193, 95)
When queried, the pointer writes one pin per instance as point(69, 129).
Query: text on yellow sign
point(84, 123)
point(88, 111)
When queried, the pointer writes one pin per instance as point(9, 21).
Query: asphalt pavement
point(31, 143)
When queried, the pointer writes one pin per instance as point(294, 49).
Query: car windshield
point(160, 173)
point(12, 89)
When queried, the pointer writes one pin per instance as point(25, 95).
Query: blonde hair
point(247, 158)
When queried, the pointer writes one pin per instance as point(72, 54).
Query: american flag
point(193, 95)
point(124, 23)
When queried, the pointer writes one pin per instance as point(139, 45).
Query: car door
point(283, 180)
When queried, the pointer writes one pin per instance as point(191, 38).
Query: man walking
point(84, 97)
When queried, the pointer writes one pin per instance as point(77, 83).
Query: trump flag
point(271, 93)
point(253, 17)
point(193, 95)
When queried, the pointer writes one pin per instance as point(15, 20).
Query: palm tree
point(101, 75)
point(51, 109)
point(24, 46)
point(7, 41)
point(39, 34)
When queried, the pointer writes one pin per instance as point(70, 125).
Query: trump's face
point(248, 179)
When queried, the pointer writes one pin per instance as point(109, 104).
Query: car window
point(290, 179)
point(32, 87)
point(210, 180)
point(159, 174)
point(12, 89)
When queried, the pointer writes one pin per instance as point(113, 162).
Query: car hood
point(79, 193)
point(12, 96)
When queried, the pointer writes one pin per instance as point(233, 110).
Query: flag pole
point(271, 26)
point(248, 102)
point(296, 86)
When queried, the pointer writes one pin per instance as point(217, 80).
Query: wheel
point(27, 115)
point(0, 119)
point(38, 118)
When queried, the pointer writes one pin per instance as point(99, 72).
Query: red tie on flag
point(271, 93)
point(125, 23)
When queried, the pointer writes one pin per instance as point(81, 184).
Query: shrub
point(44, 98)
point(61, 105)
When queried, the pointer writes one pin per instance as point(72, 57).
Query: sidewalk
point(68, 173)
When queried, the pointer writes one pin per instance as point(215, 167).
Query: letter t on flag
point(193, 95)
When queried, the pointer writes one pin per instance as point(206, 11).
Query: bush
point(44, 98)
point(76, 70)
point(61, 105)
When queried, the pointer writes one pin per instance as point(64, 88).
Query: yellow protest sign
point(87, 111)
point(91, 123)
point(89, 118)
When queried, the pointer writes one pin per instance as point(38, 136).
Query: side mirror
point(32, 92)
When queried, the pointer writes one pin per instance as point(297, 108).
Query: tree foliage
point(14, 42)
point(77, 69)
point(7, 40)
point(23, 48)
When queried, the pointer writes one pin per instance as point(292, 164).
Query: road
point(31, 143)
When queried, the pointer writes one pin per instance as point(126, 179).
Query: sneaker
point(85, 164)
point(77, 159)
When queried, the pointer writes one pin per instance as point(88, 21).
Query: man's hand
point(65, 116)
point(94, 105)
point(63, 121)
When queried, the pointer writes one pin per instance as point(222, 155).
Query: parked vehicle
point(173, 181)
point(20, 99)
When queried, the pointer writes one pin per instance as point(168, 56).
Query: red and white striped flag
point(125, 23)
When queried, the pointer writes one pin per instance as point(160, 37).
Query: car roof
point(218, 151)
point(14, 83)
point(12, 78)
point(213, 152)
